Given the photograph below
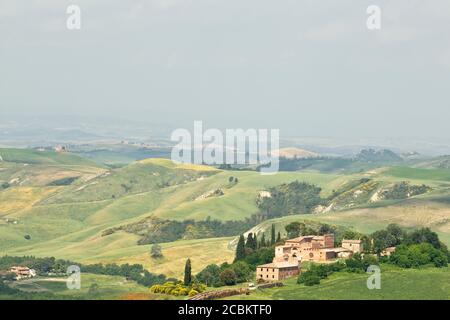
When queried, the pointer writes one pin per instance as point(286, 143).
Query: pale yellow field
point(173, 165)
point(18, 198)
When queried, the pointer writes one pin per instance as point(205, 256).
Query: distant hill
point(290, 153)
point(383, 156)
point(31, 156)
point(441, 162)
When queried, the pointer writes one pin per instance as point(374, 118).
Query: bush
point(308, 278)
point(416, 255)
point(156, 251)
point(193, 293)
point(228, 277)
point(177, 289)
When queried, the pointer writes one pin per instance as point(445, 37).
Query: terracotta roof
point(279, 265)
point(299, 239)
point(351, 241)
point(339, 249)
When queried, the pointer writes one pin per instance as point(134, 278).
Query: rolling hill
point(64, 204)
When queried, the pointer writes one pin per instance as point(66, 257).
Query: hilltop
point(290, 153)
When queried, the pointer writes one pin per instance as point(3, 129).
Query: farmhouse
point(387, 252)
point(288, 257)
point(311, 248)
point(355, 246)
point(23, 272)
point(276, 271)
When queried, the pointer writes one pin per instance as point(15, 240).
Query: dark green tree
point(187, 273)
point(272, 235)
point(228, 277)
point(293, 229)
point(240, 249)
point(262, 242)
point(251, 242)
point(279, 237)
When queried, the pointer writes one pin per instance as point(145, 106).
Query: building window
point(273, 276)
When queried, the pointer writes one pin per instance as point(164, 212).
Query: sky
point(308, 68)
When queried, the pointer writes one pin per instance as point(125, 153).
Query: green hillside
point(396, 284)
point(62, 209)
point(29, 156)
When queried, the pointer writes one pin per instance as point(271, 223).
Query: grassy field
point(122, 248)
point(93, 286)
point(396, 284)
point(67, 221)
point(419, 174)
point(29, 156)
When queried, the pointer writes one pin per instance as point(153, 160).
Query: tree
point(279, 237)
point(230, 179)
point(240, 249)
point(210, 275)
point(187, 273)
point(325, 228)
point(228, 277)
point(396, 232)
point(272, 235)
point(242, 270)
point(262, 243)
point(293, 229)
point(382, 240)
point(156, 251)
point(424, 235)
point(251, 242)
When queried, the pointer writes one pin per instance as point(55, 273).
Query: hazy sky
point(306, 67)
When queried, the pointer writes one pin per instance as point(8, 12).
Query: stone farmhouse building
point(23, 272)
point(288, 257)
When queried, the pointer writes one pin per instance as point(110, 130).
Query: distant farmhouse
point(288, 257)
point(61, 149)
point(23, 272)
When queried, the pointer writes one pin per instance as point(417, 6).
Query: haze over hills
point(84, 133)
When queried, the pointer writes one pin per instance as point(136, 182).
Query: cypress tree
point(249, 242)
point(263, 241)
point(187, 273)
point(240, 249)
point(272, 235)
point(254, 242)
point(279, 237)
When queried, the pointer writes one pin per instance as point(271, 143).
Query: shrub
point(417, 255)
point(308, 278)
point(228, 276)
point(193, 293)
point(177, 289)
